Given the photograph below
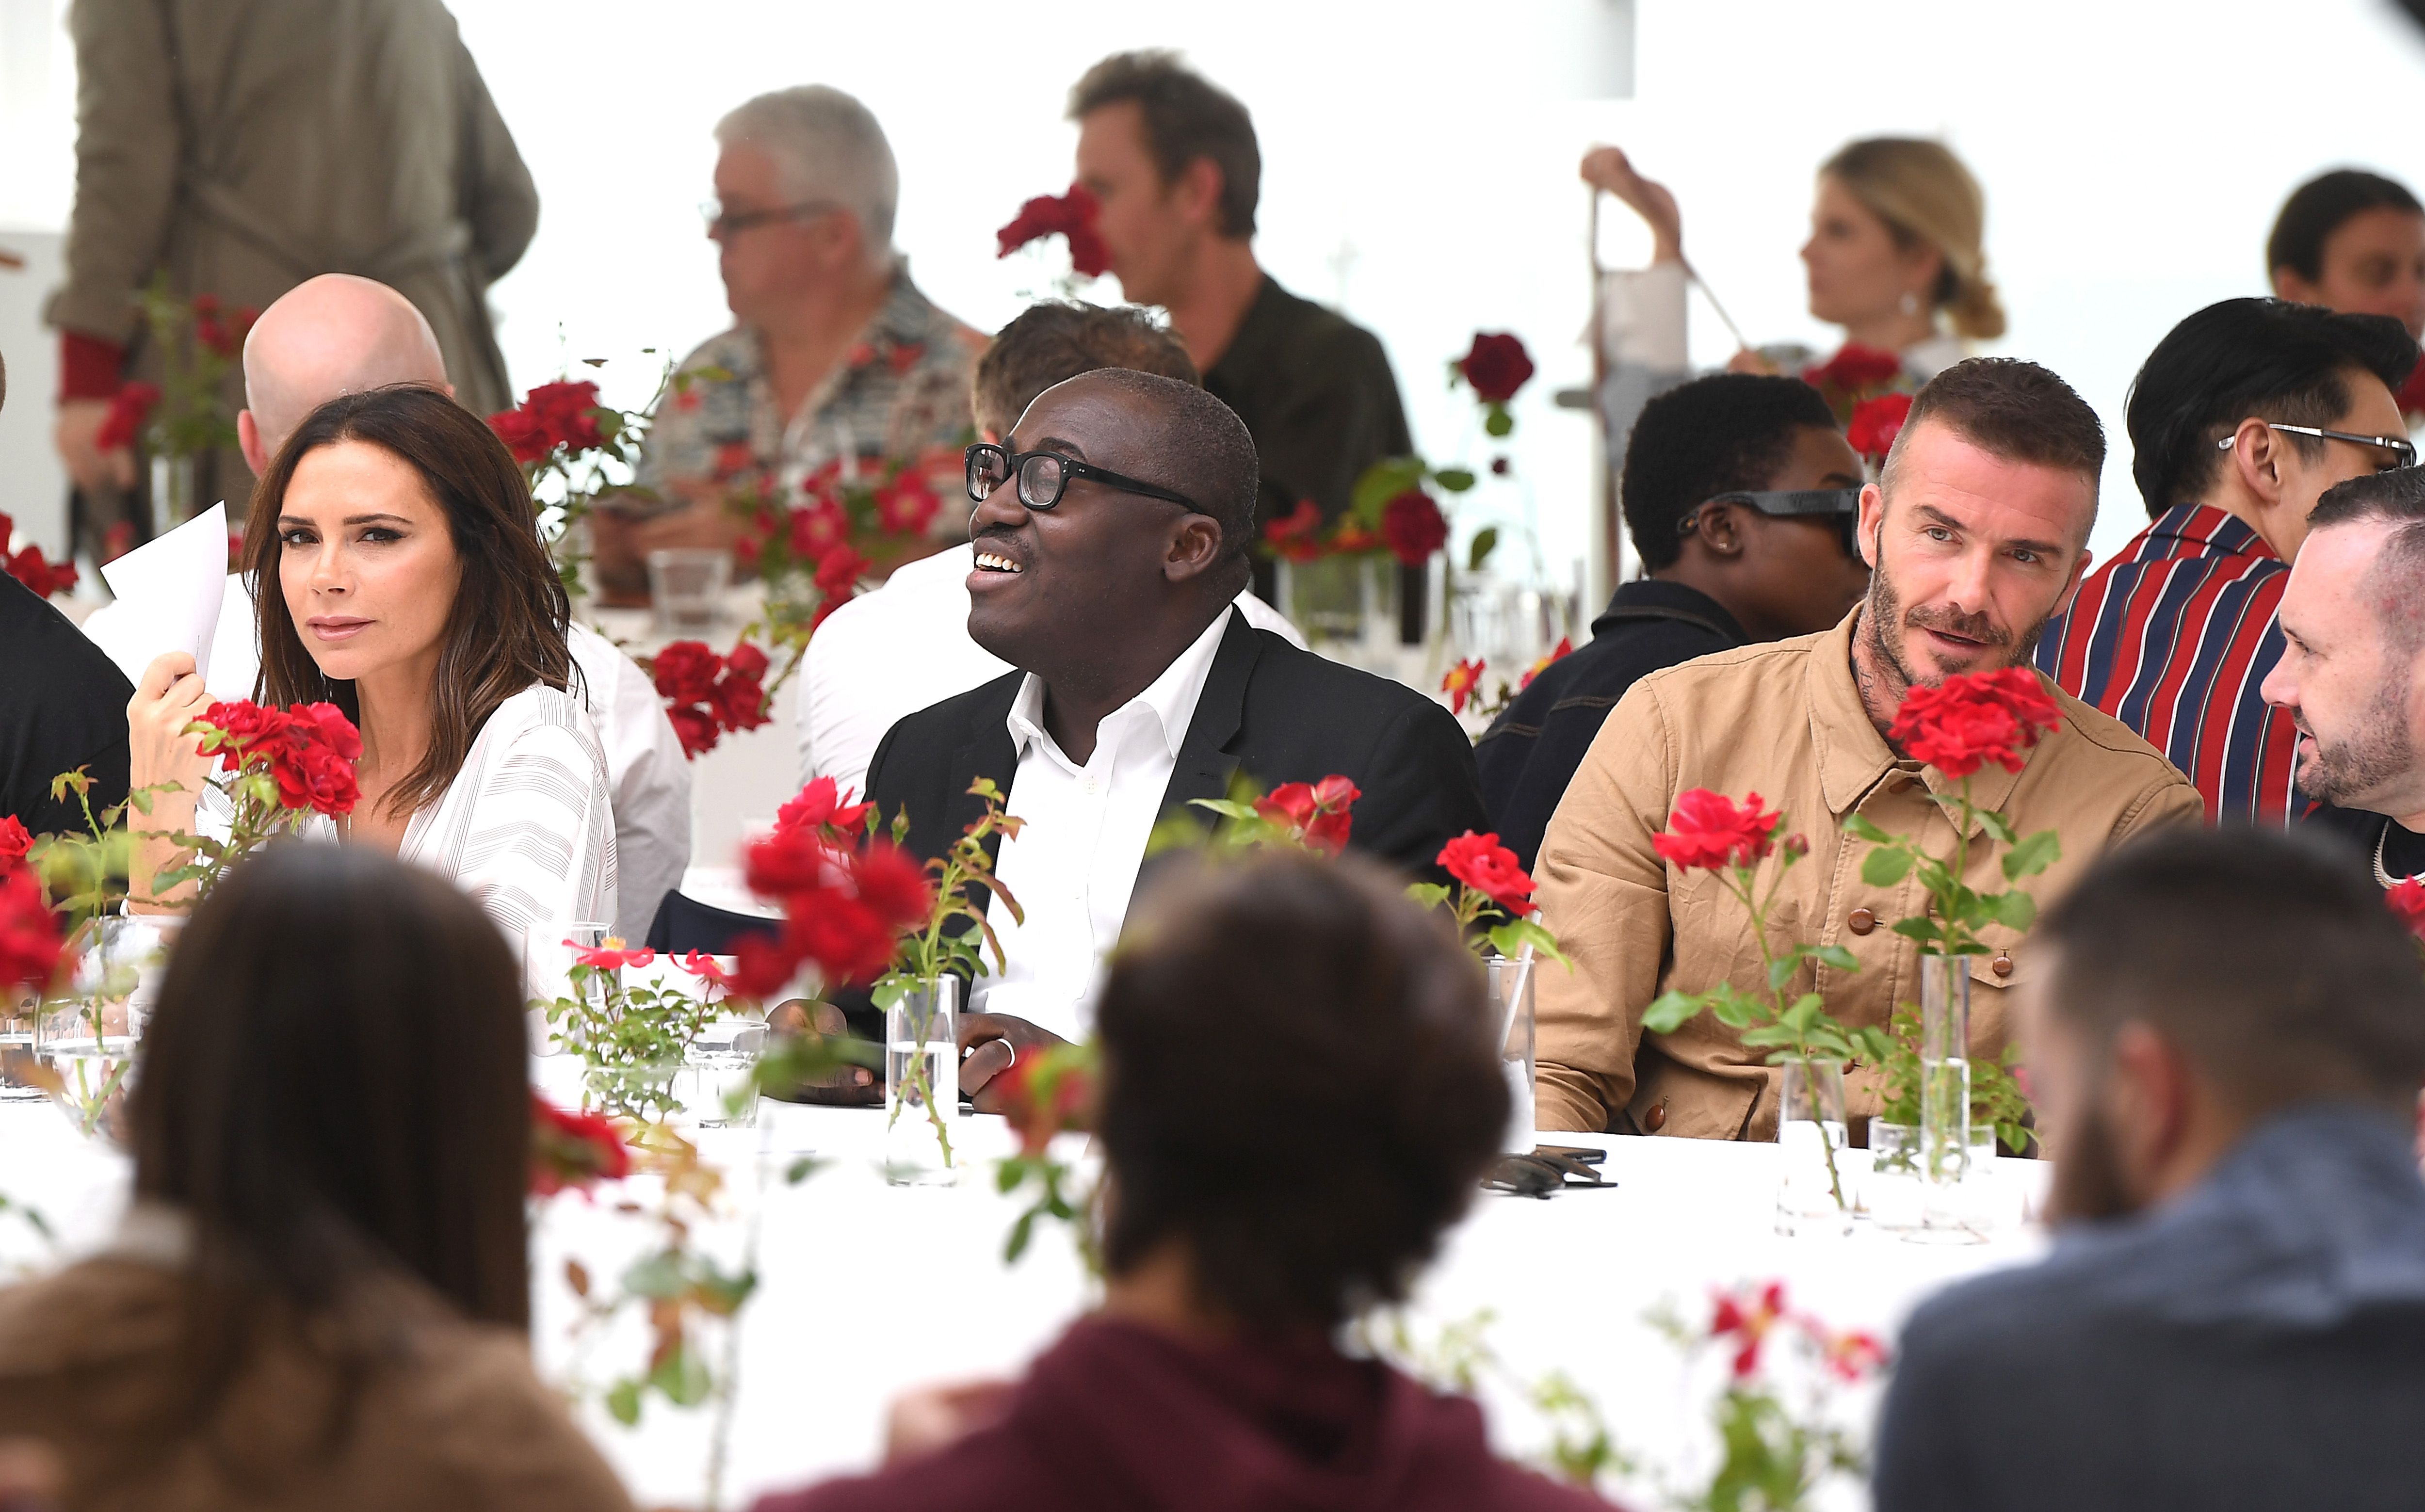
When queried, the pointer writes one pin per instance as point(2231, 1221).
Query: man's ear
point(1720, 529)
point(2071, 589)
point(247, 440)
point(2148, 1105)
point(2256, 459)
point(1873, 519)
point(1197, 191)
point(1195, 547)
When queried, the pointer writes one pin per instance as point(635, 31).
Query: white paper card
point(170, 589)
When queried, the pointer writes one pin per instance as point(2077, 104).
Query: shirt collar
point(2213, 531)
point(1853, 756)
point(1655, 597)
point(1170, 700)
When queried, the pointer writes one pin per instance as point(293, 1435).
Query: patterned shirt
point(2174, 638)
point(902, 392)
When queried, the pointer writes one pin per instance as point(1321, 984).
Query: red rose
point(1876, 421)
point(1071, 216)
point(697, 729)
point(739, 704)
point(522, 433)
point(1709, 830)
point(822, 806)
point(686, 672)
point(1413, 526)
point(14, 841)
point(566, 414)
point(907, 506)
point(848, 943)
point(787, 862)
point(762, 966)
point(1974, 718)
point(838, 573)
point(29, 932)
point(745, 660)
point(30, 566)
point(611, 956)
point(318, 769)
point(892, 883)
point(1297, 535)
point(1462, 682)
point(1854, 367)
point(1481, 863)
point(1495, 366)
point(2407, 900)
point(128, 409)
point(573, 1150)
point(1316, 813)
point(819, 528)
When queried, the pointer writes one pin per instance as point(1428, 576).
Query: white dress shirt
point(647, 777)
point(1074, 865)
point(903, 648)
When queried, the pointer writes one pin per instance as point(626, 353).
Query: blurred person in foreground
point(320, 1297)
point(834, 355)
point(1211, 1379)
point(1741, 495)
point(2355, 242)
point(1112, 533)
point(235, 148)
point(338, 334)
point(2225, 1055)
point(2353, 627)
point(1977, 532)
point(2240, 420)
point(1173, 161)
point(904, 646)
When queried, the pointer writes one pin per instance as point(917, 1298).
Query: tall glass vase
point(1511, 993)
point(84, 1044)
point(921, 1085)
point(1944, 1096)
point(1812, 1195)
point(175, 492)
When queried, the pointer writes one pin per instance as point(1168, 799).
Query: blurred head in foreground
point(2202, 981)
point(1058, 339)
point(1301, 1089)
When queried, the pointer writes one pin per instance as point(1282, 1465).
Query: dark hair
point(2395, 580)
point(2268, 957)
point(1202, 449)
point(1720, 434)
point(2322, 205)
point(1306, 1115)
point(2270, 358)
point(511, 613)
point(1059, 339)
point(334, 1092)
point(2014, 410)
point(1186, 117)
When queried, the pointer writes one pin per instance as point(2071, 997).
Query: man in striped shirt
point(2240, 420)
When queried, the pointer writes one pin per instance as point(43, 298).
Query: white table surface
point(868, 1289)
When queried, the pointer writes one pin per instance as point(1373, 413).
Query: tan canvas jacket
point(1785, 720)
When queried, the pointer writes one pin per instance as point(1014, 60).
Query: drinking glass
point(1811, 1198)
point(686, 584)
point(921, 1085)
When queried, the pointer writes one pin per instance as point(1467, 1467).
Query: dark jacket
point(1269, 712)
point(1532, 751)
point(62, 705)
point(1118, 1417)
point(2258, 1343)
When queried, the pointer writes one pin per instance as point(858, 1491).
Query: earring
point(1910, 302)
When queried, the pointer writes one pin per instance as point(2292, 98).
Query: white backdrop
point(2133, 151)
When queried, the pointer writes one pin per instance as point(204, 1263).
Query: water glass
point(921, 1085)
point(1811, 1134)
point(687, 585)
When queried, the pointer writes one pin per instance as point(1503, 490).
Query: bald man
point(338, 334)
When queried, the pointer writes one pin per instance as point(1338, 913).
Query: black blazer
point(1268, 710)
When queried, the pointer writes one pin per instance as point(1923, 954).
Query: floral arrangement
point(30, 566)
point(1492, 902)
point(1462, 683)
point(1870, 393)
point(847, 901)
point(184, 414)
point(1071, 216)
point(708, 696)
point(1710, 832)
point(277, 767)
point(30, 945)
point(630, 1038)
point(1298, 815)
point(1495, 368)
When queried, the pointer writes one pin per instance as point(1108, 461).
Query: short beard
point(2088, 1183)
point(2375, 757)
point(1884, 610)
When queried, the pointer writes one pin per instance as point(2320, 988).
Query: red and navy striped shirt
point(2174, 638)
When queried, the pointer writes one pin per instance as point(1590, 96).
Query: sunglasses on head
point(1843, 505)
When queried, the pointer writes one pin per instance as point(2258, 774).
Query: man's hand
point(1609, 169)
point(845, 1087)
point(992, 1042)
point(928, 1418)
point(77, 435)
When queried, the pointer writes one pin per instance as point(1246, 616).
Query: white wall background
point(1419, 172)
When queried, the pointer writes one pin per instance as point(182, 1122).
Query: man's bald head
point(330, 335)
point(1199, 446)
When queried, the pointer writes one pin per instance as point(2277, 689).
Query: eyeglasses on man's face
point(1043, 476)
point(2403, 452)
point(1841, 508)
point(722, 222)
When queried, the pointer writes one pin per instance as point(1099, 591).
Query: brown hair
point(1057, 340)
point(1925, 195)
point(1305, 1117)
point(2013, 410)
point(1186, 117)
point(511, 613)
point(334, 1093)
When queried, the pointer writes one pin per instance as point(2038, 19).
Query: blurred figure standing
point(2355, 242)
point(237, 148)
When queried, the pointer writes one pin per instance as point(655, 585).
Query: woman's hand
point(1609, 169)
point(169, 698)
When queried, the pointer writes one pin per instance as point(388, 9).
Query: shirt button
point(1090, 786)
point(1861, 921)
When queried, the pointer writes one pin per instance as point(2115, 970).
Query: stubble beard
point(2376, 757)
point(1884, 607)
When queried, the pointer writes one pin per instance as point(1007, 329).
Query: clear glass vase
point(176, 493)
point(1511, 993)
point(719, 1079)
point(1945, 1096)
point(20, 1016)
point(84, 1044)
point(1890, 1190)
point(921, 1085)
point(1812, 1195)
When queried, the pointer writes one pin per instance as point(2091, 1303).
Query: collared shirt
point(901, 393)
point(903, 648)
point(1074, 865)
point(1783, 719)
point(2174, 638)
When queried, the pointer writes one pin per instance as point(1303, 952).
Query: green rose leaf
point(1886, 867)
point(2014, 910)
point(1485, 542)
point(1512, 937)
point(1860, 829)
point(1454, 479)
point(1497, 420)
point(1835, 956)
point(1670, 1012)
point(623, 1402)
point(2032, 854)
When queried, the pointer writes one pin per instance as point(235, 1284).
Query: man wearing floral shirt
point(834, 355)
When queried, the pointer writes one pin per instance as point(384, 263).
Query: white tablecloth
point(867, 1289)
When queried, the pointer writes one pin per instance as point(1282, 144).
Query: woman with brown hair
point(412, 591)
point(321, 1295)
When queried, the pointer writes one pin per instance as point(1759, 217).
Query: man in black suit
point(1111, 532)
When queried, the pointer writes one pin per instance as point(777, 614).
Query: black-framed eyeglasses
point(1842, 504)
point(1042, 477)
point(723, 222)
point(2399, 446)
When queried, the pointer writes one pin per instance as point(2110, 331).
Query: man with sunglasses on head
point(1111, 533)
point(2240, 419)
point(1740, 494)
point(834, 355)
point(1977, 534)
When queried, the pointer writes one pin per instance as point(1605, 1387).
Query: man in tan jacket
point(240, 147)
point(1977, 535)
